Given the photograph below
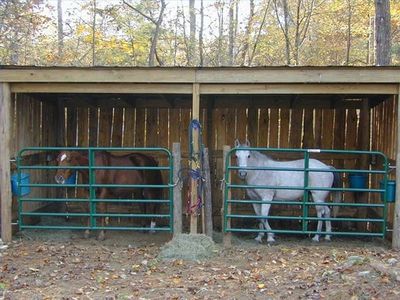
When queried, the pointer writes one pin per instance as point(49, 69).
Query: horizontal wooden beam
point(234, 75)
point(312, 89)
point(99, 75)
point(357, 90)
point(104, 88)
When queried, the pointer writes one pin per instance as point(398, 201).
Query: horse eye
point(248, 156)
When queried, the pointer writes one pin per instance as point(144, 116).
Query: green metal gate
point(235, 219)
point(46, 183)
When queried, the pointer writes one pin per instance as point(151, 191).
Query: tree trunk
point(154, 39)
point(201, 49)
point(94, 34)
point(231, 33)
point(60, 31)
point(382, 32)
point(248, 32)
point(349, 15)
point(220, 13)
point(192, 39)
point(284, 27)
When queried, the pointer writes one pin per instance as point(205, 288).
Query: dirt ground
point(63, 265)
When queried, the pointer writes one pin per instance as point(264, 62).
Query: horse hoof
point(86, 234)
point(258, 240)
point(271, 241)
point(152, 232)
point(101, 236)
point(328, 238)
point(315, 239)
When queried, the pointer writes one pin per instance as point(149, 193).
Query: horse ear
point(237, 143)
point(247, 143)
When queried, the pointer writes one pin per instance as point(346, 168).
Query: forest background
point(199, 32)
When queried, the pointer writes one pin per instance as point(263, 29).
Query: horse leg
point(257, 210)
point(149, 194)
point(265, 212)
point(102, 209)
point(328, 225)
point(86, 234)
point(320, 212)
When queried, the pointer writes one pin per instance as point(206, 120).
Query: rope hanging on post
point(196, 169)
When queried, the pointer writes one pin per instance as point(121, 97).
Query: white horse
point(275, 178)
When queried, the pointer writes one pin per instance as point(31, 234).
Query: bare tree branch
point(140, 12)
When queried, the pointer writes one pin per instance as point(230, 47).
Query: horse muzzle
point(242, 174)
point(59, 179)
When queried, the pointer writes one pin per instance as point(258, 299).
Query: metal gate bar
point(92, 186)
point(305, 202)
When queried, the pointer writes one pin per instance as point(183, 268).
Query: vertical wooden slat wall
point(34, 125)
point(384, 138)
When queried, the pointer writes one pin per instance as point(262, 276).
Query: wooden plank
point(290, 88)
point(284, 128)
point(140, 127)
point(252, 126)
point(318, 127)
point(227, 239)
point(71, 127)
point(207, 196)
point(351, 129)
point(241, 120)
point(176, 152)
point(105, 88)
point(274, 128)
point(152, 127)
point(220, 124)
point(396, 220)
point(328, 117)
point(175, 125)
point(129, 127)
point(184, 128)
point(105, 127)
point(83, 127)
point(339, 129)
point(5, 187)
point(308, 137)
point(204, 75)
point(93, 126)
point(163, 128)
point(296, 128)
point(204, 125)
point(60, 124)
point(230, 121)
point(117, 127)
point(263, 127)
point(194, 196)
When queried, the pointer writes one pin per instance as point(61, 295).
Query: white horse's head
point(242, 157)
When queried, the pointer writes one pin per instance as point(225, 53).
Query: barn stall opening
point(328, 108)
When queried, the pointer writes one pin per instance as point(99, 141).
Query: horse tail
point(337, 195)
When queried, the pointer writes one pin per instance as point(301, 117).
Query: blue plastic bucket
point(71, 179)
point(390, 190)
point(25, 179)
point(358, 181)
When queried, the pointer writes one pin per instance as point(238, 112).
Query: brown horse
point(111, 176)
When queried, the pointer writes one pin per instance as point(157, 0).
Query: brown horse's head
point(64, 159)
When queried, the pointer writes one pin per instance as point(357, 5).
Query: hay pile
point(189, 247)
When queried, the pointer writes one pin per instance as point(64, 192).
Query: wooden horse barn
point(346, 108)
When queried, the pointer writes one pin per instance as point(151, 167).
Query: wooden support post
point(396, 221)
point(208, 198)
point(196, 150)
point(5, 185)
point(227, 240)
point(176, 152)
point(364, 161)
